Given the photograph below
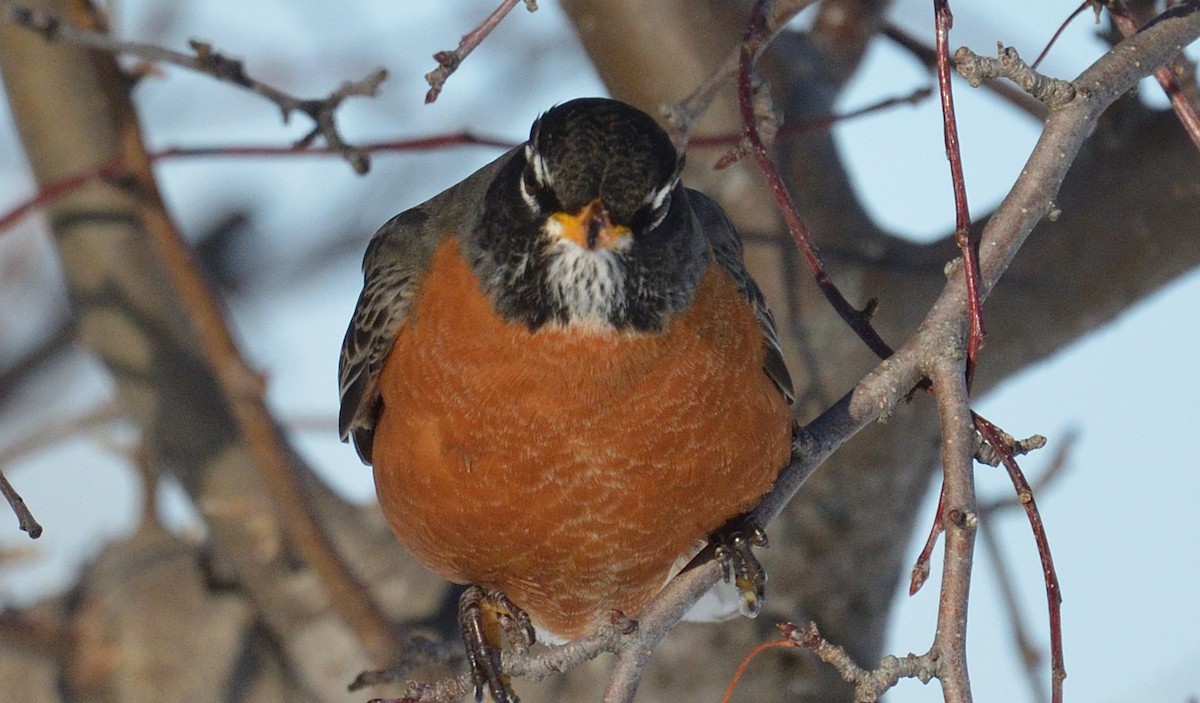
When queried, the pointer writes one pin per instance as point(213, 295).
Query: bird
point(566, 383)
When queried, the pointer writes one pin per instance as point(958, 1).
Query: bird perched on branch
point(566, 382)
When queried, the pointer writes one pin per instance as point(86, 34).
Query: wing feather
point(727, 250)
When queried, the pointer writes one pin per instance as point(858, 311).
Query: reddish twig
point(1058, 671)
point(449, 61)
point(114, 170)
point(1061, 28)
point(1128, 23)
point(741, 670)
point(857, 320)
point(962, 216)
point(920, 570)
point(56, 190)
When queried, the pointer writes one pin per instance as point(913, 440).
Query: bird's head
point(589, 224)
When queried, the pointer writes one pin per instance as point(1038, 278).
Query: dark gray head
point(589, 225)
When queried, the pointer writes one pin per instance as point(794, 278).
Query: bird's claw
point(485, 618)
point(733, 547)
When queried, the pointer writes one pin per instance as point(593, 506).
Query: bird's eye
point(529, 190)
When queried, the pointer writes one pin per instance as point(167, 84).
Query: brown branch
point(449, 61)
point(920, 570)
point(211, 63)
point(242, 388)
point(962, 215)
point(1029, 653)
point(1058, 32)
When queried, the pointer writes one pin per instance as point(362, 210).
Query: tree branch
point(206, 60)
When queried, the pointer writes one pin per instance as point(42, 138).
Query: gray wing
point(727, 250)
point(393, 267)
point(395, 259)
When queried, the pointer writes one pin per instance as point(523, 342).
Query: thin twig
point(741, 670)
point(1058, 670)
point(449, 61)
point(944, 20)
point(1057, 465)
point(757, 32)
point(1058, 33)
point(114, 170)
point(684, 115)
point(920, 570)
point(36, 441)
point(206, 60)
point(25, 519)
point(868, 685)
point(792, 130)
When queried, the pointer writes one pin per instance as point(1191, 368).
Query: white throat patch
point(589, 284)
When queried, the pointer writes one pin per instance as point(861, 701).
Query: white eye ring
point(535, 161)
point(656, 201)
point(656, 198)
point(529, 198)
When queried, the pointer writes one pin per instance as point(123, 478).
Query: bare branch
point(206, 60)
point(1058, 670)
point(959, 520)
point(868, 685)
point(449, 61)
point(25, 519)
point(977, 69)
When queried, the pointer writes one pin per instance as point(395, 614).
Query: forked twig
point(449, 61)
point(208, 61)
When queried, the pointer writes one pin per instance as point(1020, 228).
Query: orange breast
point(569, 469)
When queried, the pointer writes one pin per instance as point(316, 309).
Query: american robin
point(566, 381)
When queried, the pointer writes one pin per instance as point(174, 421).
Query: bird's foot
point(733, 546)
point(487, 618)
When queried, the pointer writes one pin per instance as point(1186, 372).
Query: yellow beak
point(591, 228)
